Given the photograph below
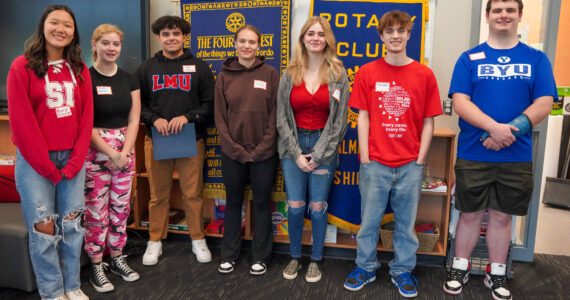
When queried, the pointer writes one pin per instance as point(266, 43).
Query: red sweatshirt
point(51, 113)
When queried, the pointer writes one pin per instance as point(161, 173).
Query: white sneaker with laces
point(76, 295)
point(153, 251)
point(62, 297)
point(200, 248)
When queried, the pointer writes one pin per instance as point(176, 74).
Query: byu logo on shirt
point(504, 71)
point(504, 59)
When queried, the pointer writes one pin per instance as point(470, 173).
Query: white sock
point(498, 269)
point(460, 263)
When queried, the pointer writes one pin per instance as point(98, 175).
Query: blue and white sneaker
point(358, 278)
point(406, 284)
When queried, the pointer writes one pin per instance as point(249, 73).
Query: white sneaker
point(62, 297)
point(200, 248)
point(153, 251)
point(76, 295)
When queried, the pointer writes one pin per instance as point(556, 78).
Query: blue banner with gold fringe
point(214, 24)
point(354, 23)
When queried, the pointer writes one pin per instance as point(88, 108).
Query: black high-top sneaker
point(98, 278)
point(456, 278)
point(120, 267)
point(497, 282)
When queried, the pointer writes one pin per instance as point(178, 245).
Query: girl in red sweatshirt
point(51, 117)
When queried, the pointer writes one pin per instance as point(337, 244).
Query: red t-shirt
point(397, 99)
point(311, 111)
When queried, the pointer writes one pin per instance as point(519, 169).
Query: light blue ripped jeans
point(55, 258)
point(318, 184)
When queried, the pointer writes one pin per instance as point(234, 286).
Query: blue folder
point(172, 146)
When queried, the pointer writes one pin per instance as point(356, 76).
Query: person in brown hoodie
point(244, 109)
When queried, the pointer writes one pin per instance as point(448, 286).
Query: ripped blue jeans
point(55, 258)
point(315, 186)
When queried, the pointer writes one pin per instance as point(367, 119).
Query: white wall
point(159, 8)
point(452, 28)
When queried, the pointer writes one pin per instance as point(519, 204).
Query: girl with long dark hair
point(51, 117)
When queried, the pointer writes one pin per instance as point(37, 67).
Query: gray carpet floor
point(179, 276)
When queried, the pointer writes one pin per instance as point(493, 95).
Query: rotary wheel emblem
point(234, 21)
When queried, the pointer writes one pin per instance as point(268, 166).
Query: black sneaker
point(120, 267)
point(455, 281)
point(98, 278)
point(498, 285)
point(258, 268)
point(226, 267)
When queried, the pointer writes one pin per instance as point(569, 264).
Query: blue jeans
point(318, 183)
point(401, 186)
point(55, 258)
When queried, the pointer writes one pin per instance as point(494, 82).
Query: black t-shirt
point(112, 100)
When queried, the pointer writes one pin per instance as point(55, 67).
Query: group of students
point(75, 128)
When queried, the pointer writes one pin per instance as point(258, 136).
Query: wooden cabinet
point(140, 196)
point(432, 206)
point(6, 145)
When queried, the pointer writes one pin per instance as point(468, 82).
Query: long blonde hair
point(332, 67)
point(100, 31)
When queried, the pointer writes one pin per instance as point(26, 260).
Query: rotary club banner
point(214, 24)
point(354, 23)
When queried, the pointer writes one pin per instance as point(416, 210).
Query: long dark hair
point(36, 52)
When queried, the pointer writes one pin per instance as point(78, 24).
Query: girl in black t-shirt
point(110, 160)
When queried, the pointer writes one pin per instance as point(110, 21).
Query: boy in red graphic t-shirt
point(397, 98)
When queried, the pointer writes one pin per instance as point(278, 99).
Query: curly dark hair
point(170, 22)
point(36, 52)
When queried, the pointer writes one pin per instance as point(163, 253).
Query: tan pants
point(190, 170)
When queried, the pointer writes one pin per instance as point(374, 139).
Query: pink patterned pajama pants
point(107, 195)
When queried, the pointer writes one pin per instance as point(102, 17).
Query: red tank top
point(311, 111)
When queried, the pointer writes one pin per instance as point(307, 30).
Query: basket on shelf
point(427, 240)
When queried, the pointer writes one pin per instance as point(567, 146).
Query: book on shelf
point(7, 160)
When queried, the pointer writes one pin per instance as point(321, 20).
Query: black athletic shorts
point(504, 187)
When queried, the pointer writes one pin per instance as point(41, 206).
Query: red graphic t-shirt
point(397, 98)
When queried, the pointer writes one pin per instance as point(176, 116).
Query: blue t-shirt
point(502, 83)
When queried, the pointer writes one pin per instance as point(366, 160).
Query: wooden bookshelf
point(433, 206)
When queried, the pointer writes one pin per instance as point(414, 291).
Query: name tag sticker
point(63, 111)
point(189, 68)
point(477, 56)
point(382, 86)
point(260, 84)
point(104, 90)
point(336, 95)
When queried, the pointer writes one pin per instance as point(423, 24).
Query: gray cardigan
point(333, 133)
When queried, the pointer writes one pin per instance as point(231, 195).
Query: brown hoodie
point(245, 109)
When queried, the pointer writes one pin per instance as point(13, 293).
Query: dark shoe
point(120, 267)
point(258, 268)
point(226, 267)
point(358, 278)
point(455, 281)
point(314, 273)
point(98, 278)
point(406, 284)
point(498, 285)
point(292, 269)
